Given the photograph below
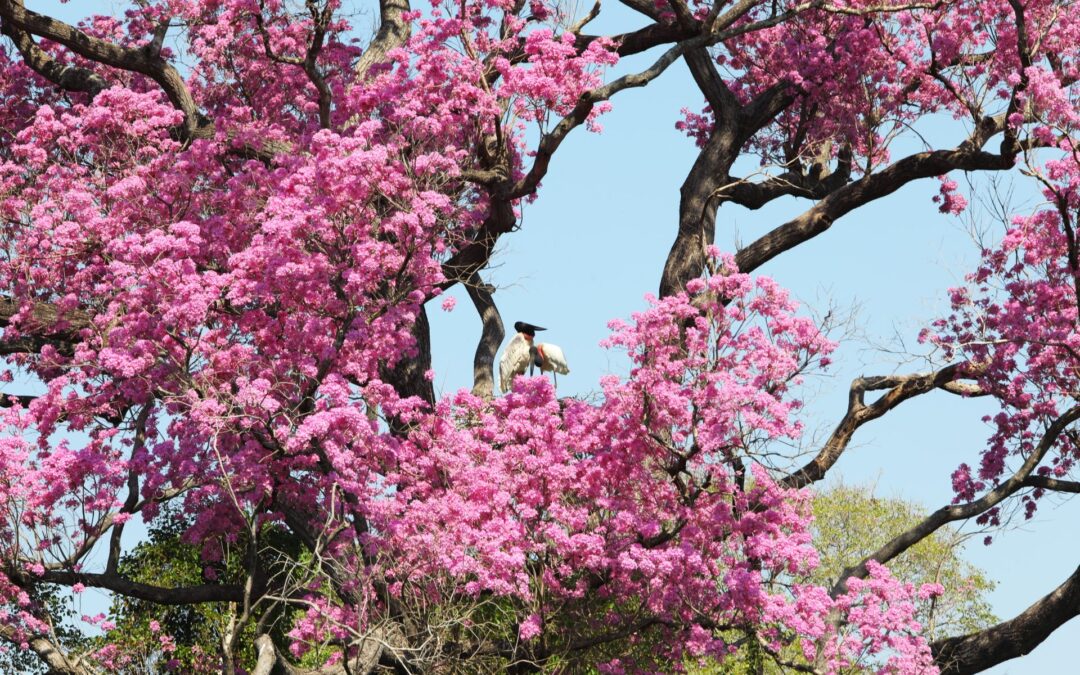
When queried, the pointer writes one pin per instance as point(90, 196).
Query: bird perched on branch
point(523, 353)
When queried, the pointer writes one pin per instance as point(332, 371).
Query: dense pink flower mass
point(218, 276)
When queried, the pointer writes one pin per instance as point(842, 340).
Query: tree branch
point(45, 325)
point(812, 185)
point(490, 338)
point(900, 389)
point(48, 651)
point(842, 201)
point(976, 652)
point(551, 141)
point(1047, 483)
point(184, 595)
point(473, 256)
point(68, 78)
point(144, 61)
point(393, 32)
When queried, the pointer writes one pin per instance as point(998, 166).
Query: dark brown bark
point(409, 375)
point(701, 193)
point(490, 338)
point(697, 216)
point(1055, 484)
point(822, 215)
point(69, 78)
point(187, 595)
point(1007, 640)
point(474, 255)
point(145, 61)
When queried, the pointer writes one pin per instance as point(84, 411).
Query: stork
point(522, 354)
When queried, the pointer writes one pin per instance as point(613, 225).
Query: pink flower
point(530, 627)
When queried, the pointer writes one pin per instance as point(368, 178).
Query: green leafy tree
point(851, 523)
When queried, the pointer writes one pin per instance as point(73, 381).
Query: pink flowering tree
point(223, 221)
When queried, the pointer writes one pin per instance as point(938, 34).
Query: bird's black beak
point(527, 328)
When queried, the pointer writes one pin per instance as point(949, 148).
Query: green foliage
point(851, 523)
point(188, 638)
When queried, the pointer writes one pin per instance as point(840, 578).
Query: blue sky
point(596, 240)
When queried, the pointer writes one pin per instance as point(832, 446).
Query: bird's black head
point(527, 328)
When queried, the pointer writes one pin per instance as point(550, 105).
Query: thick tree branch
point(551, 141)
point(490, 338)
point(68, 78)
point(474, 255)
point(640, 40)
point(393, 32)
point(45, 325)
point(842, 201)
point(698, 203)
point(703, 69)
point(976, 652)
point(1055, 484)
point(185, 595)
point(49, 652)
point(9, 400)
point(815, 184)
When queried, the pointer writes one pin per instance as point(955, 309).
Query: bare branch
point(822, 215)
point(722, 100)
point(1055, 484)
point(900, 389)
point(815, 184)
point(183, 595)
point(551, 141)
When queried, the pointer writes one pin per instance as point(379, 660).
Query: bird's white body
point(515, 360)
point(552, 358)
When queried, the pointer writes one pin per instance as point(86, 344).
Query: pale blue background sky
point(595, 242)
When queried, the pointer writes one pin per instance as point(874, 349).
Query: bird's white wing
point(554, 359)
point(514, 361)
